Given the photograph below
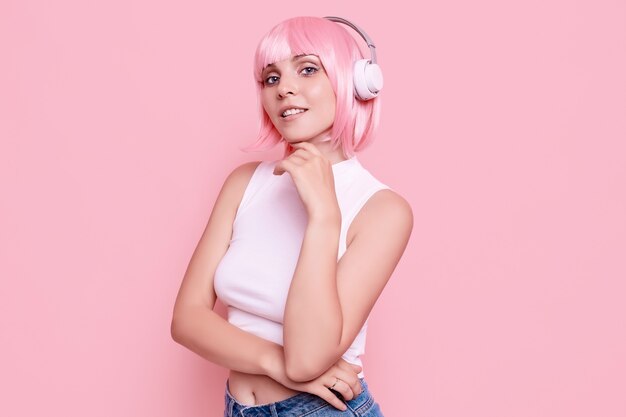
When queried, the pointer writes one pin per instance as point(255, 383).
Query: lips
point(293, 116)
point(285, 108)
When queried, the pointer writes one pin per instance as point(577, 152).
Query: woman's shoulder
point(244, 171)
point(385, 221)
point(382, 202)
point(385, 209)
point(239, 178)
point(388, 202)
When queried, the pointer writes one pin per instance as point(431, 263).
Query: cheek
point(266, 103)
point(265, 107)
point(326, 96)
point(331, 99)
point(330, 104)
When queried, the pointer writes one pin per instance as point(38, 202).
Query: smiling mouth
point(290, 115)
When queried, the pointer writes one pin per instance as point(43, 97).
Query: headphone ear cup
point(374, 78)
point(368, 79)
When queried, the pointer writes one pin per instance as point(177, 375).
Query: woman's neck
point(325, 147)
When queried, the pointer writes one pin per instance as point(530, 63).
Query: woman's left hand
point(342, 376)
point(313, 176)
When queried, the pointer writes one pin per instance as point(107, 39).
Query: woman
point(299, 249)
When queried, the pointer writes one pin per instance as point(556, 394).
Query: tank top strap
point(261, 177)
point(368, 185)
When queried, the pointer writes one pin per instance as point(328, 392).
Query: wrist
point(326, 217)
point(273, 361)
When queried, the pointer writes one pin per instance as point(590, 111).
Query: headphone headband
point(367, 75)
point(366, 38)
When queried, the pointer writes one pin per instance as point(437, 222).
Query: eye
point(307, 72)
point(270, 80)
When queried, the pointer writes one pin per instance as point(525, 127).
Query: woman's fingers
point(342, 363)
point(308, 146)
point(330, 398)
point(343, 377)
point(349, 367)
point(351, 376)
point(297, 158)
point(302, 153)
point(348, 384)
point(287, 164)
point(344, 389)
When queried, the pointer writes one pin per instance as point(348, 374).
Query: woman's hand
point(313, 177)
point(343, 375)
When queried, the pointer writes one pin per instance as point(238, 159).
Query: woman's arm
point(204, 332)
point(209, 335)
point(194, 323)
point(329, 301)
point(196, 326)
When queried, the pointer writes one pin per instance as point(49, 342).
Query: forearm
point(204, 332)
point(313, 319)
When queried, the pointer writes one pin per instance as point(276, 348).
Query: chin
point(308, 138)
point(296, 140)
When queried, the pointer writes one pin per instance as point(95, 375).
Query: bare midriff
point(251, 389)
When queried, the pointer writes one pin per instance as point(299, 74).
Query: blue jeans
point(305, 404)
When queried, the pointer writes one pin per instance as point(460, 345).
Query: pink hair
point(355, 121)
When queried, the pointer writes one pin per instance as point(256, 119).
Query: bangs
point(285, 41)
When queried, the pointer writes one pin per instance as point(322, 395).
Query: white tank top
point(254, 276)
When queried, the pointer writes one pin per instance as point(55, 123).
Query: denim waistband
point(294, 406)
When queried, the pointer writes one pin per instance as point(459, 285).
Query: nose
point(287, 85)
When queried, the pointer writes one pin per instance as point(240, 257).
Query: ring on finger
point(333, 386)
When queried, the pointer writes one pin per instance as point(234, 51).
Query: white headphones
point(368, 77)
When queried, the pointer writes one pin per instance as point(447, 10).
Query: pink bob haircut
point(355, 121)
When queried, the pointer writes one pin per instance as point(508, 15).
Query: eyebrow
point(295, 58)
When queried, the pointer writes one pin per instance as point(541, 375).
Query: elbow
point(306, 363)
point(184, 324)
point(297, 374)
point(301, 371)
point(176, 329)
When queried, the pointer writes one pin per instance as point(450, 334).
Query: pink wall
point(503, 125)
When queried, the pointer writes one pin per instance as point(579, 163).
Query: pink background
point(503, 125)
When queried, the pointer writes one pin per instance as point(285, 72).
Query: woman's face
point(297, 84)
